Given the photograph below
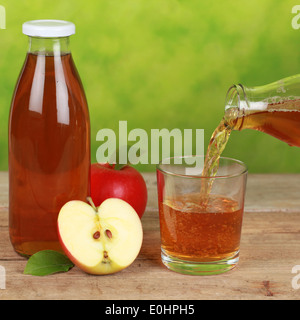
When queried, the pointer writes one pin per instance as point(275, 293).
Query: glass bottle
point(273, 108)
point(49, 138)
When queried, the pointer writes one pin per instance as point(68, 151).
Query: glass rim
point(244, 169)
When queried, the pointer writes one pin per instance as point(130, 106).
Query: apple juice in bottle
point(273, 108)
point(49, 138)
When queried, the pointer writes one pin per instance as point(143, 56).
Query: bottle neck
point(235, 104)
point(242, 101)
point(49, 46)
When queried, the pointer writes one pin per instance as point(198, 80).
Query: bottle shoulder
point(50, 85)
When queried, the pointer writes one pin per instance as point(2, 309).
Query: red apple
point(125, 183)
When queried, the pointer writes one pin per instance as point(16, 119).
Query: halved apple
point(101, 240)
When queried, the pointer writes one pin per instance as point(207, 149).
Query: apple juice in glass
point(200, 235)
point(49, 138)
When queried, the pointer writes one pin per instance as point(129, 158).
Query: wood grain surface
point(270, 248)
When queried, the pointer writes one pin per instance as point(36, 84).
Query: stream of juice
point(49, 153)
point(215, 148)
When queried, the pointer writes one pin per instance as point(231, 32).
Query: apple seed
point(105, 255)
point(108, 233)
point(96, 235)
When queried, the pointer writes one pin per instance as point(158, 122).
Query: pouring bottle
point(273, 108)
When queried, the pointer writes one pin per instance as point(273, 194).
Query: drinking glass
point(200, 217)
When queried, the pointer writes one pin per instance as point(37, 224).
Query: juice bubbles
point(49, 138)
point(196, 231)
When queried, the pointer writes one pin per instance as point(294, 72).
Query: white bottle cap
point(48, 28)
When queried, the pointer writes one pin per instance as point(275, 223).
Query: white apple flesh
point(100, 241)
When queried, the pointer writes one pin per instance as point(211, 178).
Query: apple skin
point(126, 184)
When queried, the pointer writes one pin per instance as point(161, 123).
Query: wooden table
point(270, 248)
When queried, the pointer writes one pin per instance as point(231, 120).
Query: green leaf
point(47, 262)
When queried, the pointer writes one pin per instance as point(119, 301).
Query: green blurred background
point(166, 64)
